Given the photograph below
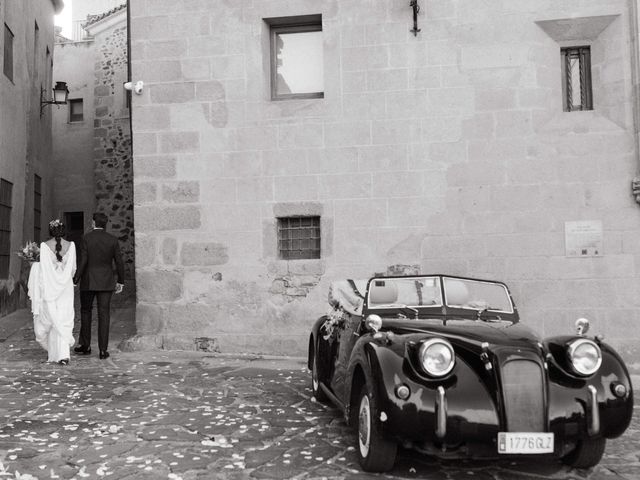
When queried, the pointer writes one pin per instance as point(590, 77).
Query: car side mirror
point(582, 326)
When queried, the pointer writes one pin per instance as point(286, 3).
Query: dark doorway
point(75, 228)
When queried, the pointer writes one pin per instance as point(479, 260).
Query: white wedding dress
point(51, 293)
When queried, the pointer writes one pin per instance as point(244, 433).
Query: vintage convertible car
point(442, 364)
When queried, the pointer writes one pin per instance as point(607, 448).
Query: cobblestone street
point(187, 415)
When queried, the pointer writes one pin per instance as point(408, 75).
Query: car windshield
point(405, 291)
point(397, 292)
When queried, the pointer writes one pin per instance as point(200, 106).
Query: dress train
point(51, 292)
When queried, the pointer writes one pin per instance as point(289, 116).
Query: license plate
point(525, 442)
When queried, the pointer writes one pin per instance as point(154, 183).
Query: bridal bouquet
point(30, 252)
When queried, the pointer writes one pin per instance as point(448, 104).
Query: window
point(48, 70)
point(75, 110)
point(36, 46)
point(296, 57)
point(8, 53)
point(37, 208)
point(298, 237)
point(576, 78)
point(6, 189)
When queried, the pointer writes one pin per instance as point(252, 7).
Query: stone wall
point(25, 134)
point(448, 150)
point(113, 174)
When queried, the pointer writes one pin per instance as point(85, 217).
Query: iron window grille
point(6, 191)
point(576, 78)
point(299, 238)
point(37, 208)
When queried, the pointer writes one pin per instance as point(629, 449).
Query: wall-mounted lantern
point(60, 94)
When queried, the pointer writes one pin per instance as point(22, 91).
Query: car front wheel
point(587, 453)
point(375, 453)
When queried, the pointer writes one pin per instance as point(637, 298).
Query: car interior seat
point(456, 292)
point(382, 292)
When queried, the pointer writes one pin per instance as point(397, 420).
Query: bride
point(51, 293)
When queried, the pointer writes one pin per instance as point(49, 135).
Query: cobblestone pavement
point(188, 415)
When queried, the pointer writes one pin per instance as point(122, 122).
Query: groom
point(98, 252)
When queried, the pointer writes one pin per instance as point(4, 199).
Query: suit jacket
point(98, 252)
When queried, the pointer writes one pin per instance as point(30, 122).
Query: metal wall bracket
point(635, 188)
point(416, 8)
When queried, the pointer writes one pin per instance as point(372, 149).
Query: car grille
point(523, 396)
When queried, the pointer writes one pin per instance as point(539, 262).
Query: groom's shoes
point(104, 354)
point(82, 350)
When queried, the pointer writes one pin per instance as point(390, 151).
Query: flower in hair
point(55, 223)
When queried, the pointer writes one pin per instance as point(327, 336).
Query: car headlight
point(437, 357)
point(585, 356)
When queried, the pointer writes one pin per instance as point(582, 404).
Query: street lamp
point(60, 93)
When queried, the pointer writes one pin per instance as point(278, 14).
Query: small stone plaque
point(583, 238)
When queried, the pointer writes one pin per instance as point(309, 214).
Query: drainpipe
point(129, 73)
point(634, 24)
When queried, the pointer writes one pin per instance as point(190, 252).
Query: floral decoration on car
point(334, 318)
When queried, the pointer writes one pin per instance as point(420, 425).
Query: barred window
point(6, 190)
point(37, 208)
point(299, 238)
point(576, 78)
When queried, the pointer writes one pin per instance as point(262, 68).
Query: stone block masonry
point(112, 147)
point(449, 150)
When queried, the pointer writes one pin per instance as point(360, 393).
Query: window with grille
point(298, 238)
point(576, 78)
point(297, 65)
point(8, 52)
point(76, 110)
point(37, 208)
point(6, 190)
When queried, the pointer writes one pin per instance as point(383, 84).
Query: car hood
point(496, 333)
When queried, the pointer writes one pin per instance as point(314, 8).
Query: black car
point(442, 364)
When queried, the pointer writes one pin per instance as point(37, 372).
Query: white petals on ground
point(178, 416)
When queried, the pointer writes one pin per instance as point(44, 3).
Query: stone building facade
point(447, 149)
point(94, 152)
point(26, 185)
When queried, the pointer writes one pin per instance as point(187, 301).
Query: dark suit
point(98, 253)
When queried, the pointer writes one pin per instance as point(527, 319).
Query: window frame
point(280, 25)
point(583, 54)
point(8, 62)
point(309, 233)
point(76, 118)
point(37, 208)
point(36, 45)
point(6, 207)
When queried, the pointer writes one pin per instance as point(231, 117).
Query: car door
point(346, 336)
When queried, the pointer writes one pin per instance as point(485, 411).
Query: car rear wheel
point(318, 393)
point(587, 453)
point(375, 453)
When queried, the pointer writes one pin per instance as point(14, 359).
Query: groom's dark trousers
point(99, 252)
point(104, 317)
